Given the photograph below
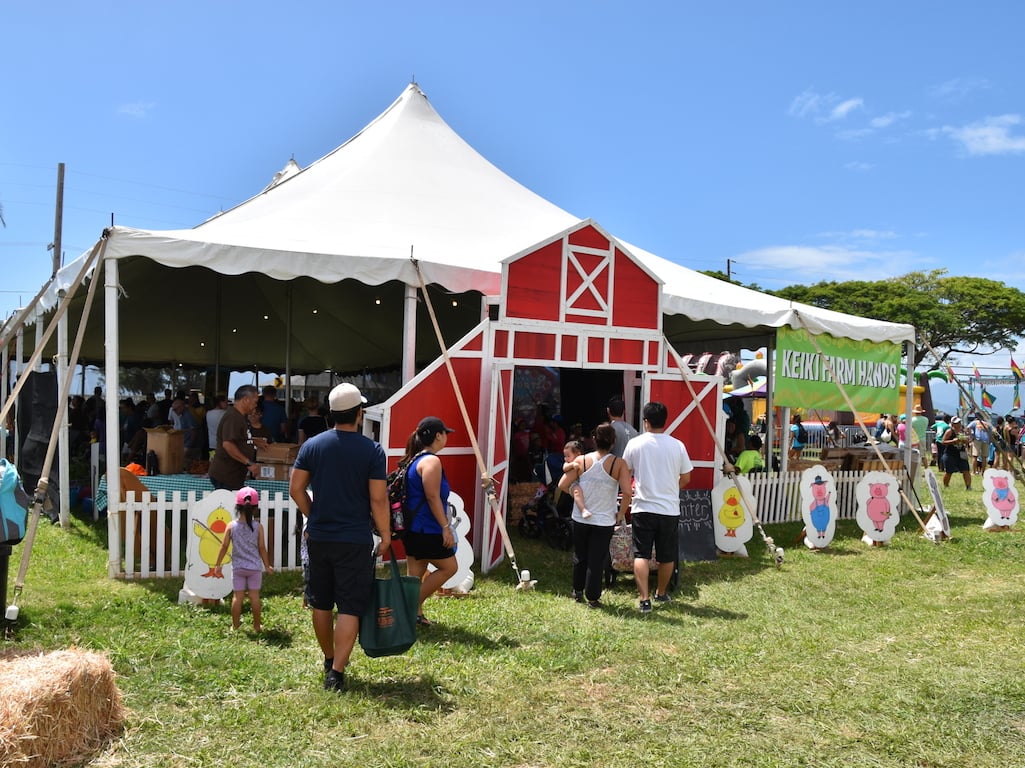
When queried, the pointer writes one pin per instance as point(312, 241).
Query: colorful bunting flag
point(1016, 371)
point(950, 374)
point(977, 374)
point(1017, 398)
point(987, 399)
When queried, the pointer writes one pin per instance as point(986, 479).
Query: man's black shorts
point(662, 531)
point(341, 575)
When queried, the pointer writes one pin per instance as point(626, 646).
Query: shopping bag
point(388, 628)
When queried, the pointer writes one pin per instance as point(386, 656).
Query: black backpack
point(398, 496)
point(802, 434)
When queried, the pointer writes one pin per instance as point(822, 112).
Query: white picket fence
point(162, 524)
point(779, 496)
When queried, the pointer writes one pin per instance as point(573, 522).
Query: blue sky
point(803, 141)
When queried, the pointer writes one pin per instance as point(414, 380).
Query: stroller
point(544, 517)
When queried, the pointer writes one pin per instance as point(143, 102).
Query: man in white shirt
point(661, 467)
point(213, 418)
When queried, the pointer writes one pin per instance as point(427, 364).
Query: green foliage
point(884, 656)
point(955, 315)
point(720, 275)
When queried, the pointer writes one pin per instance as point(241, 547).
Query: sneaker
point(645, 606)
point(578, 596)
point(328, 663)
point(334, 680)
point(662, 598)
point(595, 604)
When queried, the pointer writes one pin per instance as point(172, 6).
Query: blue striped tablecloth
point(185, 483)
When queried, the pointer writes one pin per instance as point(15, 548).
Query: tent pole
point(5, 360)
point(217, 338)
point(19, 369)
point(288, 351)
point(111, 358)
point(63, 390)
point(409, 334)
point(770, 420)
point(909, 402)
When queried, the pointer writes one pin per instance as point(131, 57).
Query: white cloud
point(139, 109)
point(859, 166)
point(822, 108)
point(959, 87)
point(781, 265)
point(840, 111)
point(989, 136)
point(805, 104)
point(884, 121)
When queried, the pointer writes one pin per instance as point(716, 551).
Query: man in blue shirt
point(346, 472)
point(274, 417)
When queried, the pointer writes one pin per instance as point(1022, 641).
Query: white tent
point(318, 263)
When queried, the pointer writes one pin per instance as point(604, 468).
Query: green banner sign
point(869, 372)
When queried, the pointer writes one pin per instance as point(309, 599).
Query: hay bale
point(56, 708)
point(519, 494)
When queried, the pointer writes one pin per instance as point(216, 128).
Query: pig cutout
point(818, 506)
point(1000, 498)
point(878, 512)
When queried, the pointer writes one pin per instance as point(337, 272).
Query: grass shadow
point(444, 634)
point(416, 694)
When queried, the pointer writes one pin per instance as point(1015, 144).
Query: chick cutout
point(211, 536)
point(208, 519)
point(733, 522)
point(878, 512)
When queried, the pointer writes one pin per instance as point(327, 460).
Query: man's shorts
point(341, 575)
point(662, 531)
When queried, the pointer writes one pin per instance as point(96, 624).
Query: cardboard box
point(278, 453)
point(169, 446)
point(277, 471)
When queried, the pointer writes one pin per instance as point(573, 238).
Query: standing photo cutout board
point(1001, 499)
point(878, 512)
point(937, 527)
point(462, 581)
point(208, 520)
point(818, 506)
point(732, 519)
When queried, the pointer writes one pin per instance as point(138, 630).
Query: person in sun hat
point(347, 473)
point(430, 540)
point(919, 426)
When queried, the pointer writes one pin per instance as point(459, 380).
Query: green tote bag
point(388, 628)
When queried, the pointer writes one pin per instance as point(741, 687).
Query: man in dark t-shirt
point(346, 472)
point(236, 446)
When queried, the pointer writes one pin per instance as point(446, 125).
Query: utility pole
point(58, 221)
point(729, 275)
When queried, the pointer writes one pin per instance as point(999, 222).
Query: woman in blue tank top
point(429, 540)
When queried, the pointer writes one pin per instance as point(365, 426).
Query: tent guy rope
point(524, 582)
point(39, 499)
point(776, 553)
point(850, 405)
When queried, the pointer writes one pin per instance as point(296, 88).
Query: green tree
point(718, 274)
point(955, 315)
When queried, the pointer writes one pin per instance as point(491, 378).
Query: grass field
point(908, 655)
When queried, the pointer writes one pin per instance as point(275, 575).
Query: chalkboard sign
point(697, 535)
